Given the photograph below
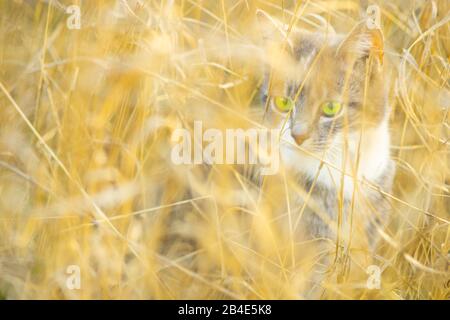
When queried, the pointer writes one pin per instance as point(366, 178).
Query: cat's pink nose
point(300, 132)
point(300, 138)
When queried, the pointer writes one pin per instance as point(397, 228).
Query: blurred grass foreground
point(87, 188)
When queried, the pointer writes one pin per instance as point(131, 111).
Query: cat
point(327, 94)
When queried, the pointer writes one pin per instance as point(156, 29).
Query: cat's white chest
point(373, 159)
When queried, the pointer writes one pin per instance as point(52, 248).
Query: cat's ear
point(363, 42)
point(271, 29)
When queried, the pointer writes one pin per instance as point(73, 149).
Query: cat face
point(321, 87)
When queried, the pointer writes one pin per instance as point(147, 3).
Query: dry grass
point(85, 176)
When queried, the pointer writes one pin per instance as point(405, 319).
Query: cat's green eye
point(331, 108)
point(284, 104)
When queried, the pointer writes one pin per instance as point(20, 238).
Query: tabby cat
point(326, 92)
